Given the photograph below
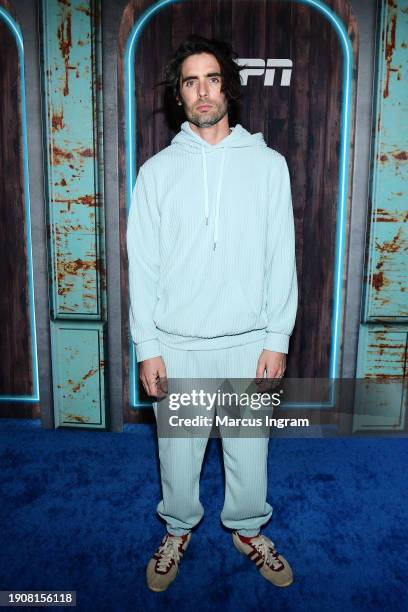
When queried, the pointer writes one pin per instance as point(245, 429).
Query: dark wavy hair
point(194, 44)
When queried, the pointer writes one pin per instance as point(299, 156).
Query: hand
point(153, 375)
point(274, 363)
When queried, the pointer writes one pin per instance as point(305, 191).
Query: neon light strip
point(343, 179)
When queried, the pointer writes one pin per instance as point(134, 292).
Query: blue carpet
point(78, 513)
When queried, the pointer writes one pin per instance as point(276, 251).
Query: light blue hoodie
point(211, 246)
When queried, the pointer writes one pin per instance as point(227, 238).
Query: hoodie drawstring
point(205, 184)
point(218, 198)
point(217, 202)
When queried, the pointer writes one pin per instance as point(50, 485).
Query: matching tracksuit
point(212, 282)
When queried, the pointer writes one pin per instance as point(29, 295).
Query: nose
point(203, 88)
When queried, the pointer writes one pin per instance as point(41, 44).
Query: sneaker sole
point(286, 584)
point(157, 590)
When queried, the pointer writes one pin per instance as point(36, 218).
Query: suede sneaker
point(163, 567)
point(261, 551)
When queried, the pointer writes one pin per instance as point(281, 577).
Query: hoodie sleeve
point(282, 288)
point(143, 254)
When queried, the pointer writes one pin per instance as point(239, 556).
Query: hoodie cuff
point(277, 342)
point(147, 350)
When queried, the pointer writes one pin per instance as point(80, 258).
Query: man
point(213, 292)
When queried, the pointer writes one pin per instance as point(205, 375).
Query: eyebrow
point(190, 78)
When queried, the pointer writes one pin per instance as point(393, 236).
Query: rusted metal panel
point(73, 133)
point(382, 349)
point(381, 405)
point(386, 290)
point(383, 352)
point(79, 374)
point(71, 72)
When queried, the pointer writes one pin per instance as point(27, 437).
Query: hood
point(191, 142)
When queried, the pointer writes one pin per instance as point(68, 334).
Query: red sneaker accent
point(245, 539)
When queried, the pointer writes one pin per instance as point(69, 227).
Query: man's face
point(200, 90)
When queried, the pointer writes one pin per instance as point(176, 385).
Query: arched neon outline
point(16, 31)
point(130, 113)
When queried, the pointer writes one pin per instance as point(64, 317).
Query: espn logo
point(258, 67)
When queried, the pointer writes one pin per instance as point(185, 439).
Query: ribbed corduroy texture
point(198, 285)
point(245, 459)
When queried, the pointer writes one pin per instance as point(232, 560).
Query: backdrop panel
point(300, 92)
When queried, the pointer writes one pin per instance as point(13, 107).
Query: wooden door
point(301, 95)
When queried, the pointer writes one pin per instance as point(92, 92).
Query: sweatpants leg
point(245, 463)
point(245, 459)
point(181, 458)
point(180, 467)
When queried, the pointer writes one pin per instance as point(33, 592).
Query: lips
point(204, 107)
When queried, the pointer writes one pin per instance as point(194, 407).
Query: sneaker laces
point(267, 549)
point(168, 551)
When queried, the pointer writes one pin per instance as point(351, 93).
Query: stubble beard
point(208, 120)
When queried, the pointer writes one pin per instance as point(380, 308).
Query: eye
point(215, 79)
point(188, 83)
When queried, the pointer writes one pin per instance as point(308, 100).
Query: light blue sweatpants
point(245, 459)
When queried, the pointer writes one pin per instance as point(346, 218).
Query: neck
point(214, 133)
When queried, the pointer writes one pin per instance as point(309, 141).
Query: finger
point(150, 384)
point(155, 385)
point(263, 383)
point(162, 383)
point(272, 372)
point(144, 383)
point(162, 369)
point(272, 376)
point(260, 370)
